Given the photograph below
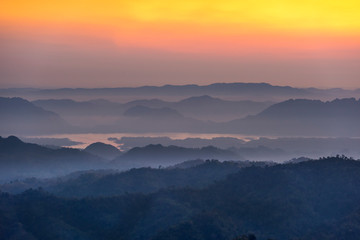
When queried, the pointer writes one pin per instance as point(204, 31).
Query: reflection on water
point(89, 138)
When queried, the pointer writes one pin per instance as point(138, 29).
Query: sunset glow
point(161, 23)
point(341, 16)
point(281, 29)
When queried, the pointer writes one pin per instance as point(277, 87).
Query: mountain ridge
point(263, 90)
point(18, 115)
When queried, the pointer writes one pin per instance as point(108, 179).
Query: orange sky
point(269, 30)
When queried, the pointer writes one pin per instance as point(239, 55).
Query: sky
point(93, 43)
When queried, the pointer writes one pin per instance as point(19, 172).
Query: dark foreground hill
point(106, 183)
point(19, 159)
point(154, 155)
point(308, 200)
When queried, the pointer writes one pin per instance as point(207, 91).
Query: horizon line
point(176, 85)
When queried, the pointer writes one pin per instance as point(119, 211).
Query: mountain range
point(294, 117)
point(158, 155)
point(199, 107)
point(302, 117)
point(19, 160)
point(240, 91)
point(107, 183)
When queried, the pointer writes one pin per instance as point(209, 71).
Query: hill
point(19, 116)
point(209, 108)
point(141, 180)
point(199, 107)
point(68, 107)
point(155, 155)
point(103, 150)
point(316, 199)
point(302, 117)
point(20, 160)
point(220, 142)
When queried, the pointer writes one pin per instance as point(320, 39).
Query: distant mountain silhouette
point(209, 108)
point(220, 142)
point(54, 142)
point(252, 91)
point(103, 150)
point(153, 155)
point(201, 107)
point(311, 147)
point(68, 107)
point(20, 159)
point(299, 117)
point(303, 108)
point(18, 115)
point(302, 117)
point(275, 149)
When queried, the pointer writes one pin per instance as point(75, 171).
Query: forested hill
point(317, 199)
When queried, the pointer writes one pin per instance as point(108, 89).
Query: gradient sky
point(91, 43)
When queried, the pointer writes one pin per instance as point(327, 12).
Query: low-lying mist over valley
point(295, 117)
point(157, 132)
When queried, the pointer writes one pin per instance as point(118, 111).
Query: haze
point(112, 44)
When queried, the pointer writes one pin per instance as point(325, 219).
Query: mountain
point(200, 107)
point(303, 108)
point(19, 116)
point(299, 117)
point(183, 116)
point(155, 155)
point(303, 117)
point(310, 147)
point(264, 148)
point(54, 142)
point(292, 201)
point(206, 107)
point(315, 199)
point(141, 180)
point(209, 108)
point(86, 114)
point(68, 107)
point(220, 142)
point(19, 160)
point(103, 150)
point(239, 91)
